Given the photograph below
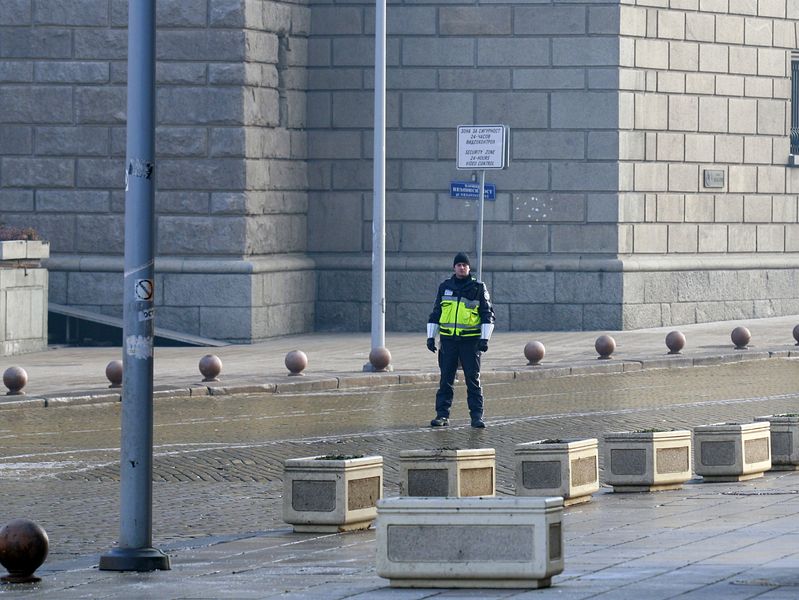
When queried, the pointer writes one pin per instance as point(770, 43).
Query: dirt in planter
point(338, 457)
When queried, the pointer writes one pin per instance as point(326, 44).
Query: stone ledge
point(756, 261)
point(520, 373)
point(307, 386)
point(104, 398)
point(200, 265)
point(229, 390)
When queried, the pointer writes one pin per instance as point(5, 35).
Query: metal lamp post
point(135, 551)
point(379, 200)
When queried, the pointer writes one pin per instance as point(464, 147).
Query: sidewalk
point(714, 541)
point(730, 541)
point(336, 360)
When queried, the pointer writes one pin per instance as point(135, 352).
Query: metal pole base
point(370, 368)
point(134, 559)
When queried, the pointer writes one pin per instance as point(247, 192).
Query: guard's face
point(461, 270)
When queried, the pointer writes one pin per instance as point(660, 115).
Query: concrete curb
point(305, 384)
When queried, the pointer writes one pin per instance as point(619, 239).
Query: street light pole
point(135, 551)
point(379, 206)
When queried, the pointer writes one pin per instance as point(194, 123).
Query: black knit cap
point(461, 257)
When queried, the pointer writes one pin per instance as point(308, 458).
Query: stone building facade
point(648, 183)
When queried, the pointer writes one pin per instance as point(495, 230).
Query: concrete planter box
point(330, 495)
point(647, 461)
point(469, 542)
point(568, 468)
point(784, 441)
point(23, 297)
point(448, 472)
point(24, 250)
point(732, 451)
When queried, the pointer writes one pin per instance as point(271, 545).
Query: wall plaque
point(714, 178)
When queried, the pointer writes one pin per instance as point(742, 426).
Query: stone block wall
point(547, 70)
point(231, 183)
point(264, 171)
point(709, 89)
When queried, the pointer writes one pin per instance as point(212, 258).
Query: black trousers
point(463, 350)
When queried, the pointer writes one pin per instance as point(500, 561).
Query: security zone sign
point(482, 147)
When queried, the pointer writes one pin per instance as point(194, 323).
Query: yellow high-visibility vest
point(459, 317)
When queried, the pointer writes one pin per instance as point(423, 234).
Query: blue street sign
point(471, 190)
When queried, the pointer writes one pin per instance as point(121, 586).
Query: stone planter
point(469, 542)
point(784, 441)
point(568, 468)
point(23, 297)
point(448, 472)
point(329, 495)
point(732, 451)
point(647, 461)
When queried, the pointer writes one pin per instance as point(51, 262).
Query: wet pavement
point(218, 463)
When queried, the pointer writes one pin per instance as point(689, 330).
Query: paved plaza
point(219, 450)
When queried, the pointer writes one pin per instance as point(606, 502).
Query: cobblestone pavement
point(218, 461)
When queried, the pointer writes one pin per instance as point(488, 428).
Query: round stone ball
point(740, 336)
point(605, 346)
point(210, 367)
point(296, 362)
point(380, 358)
point(534, 352)
point(113, 371)
point(796, 334)
point(675, 341)
point(15, 378)
point(23, 548)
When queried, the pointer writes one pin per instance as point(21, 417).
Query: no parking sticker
point(143, 289)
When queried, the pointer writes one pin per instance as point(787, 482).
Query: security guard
point(464, 317)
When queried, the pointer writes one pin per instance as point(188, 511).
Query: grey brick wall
point(264, 142)
point(710, 89)
point(546, 70)
point(230, 144)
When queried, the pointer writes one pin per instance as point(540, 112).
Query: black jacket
point(467, 288)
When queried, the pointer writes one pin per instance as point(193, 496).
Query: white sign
point(482, 146)
point(143, 289)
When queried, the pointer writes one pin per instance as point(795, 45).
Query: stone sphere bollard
point(796, 334)
point(15, 378)
point(113, 371)
point(296, 362)
point(380, 358)
point(23, 548)
point(534, 352)
point(675, 341)
point(605, 346)
point(210, 367)
point(740, 336)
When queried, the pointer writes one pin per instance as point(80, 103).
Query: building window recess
point(793, 159)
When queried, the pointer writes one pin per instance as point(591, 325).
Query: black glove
point(431, 344)
point(482, 345)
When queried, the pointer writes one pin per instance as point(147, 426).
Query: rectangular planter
point(647, 461)
point(784, 441)
point(448, 472)
point(732, 451)
point(568, 468)
point(330, 495)
point(24, 288)
point(470, 542)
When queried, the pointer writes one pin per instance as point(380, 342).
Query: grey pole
point(135, 551)
point(479, 235)
point(379, 207)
